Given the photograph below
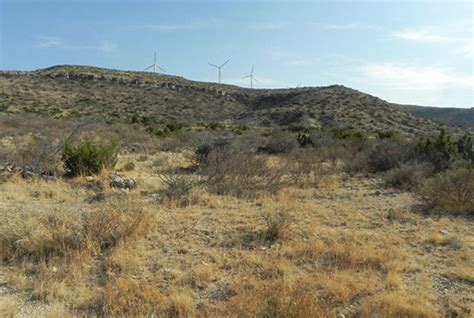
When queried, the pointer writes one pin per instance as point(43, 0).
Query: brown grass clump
point(343, 254)
point(59, 232)
point(278, 299)
point(397, 304)
point(9, 307)
point(276, 226)
point(128, 297)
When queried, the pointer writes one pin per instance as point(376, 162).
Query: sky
point(410, 52)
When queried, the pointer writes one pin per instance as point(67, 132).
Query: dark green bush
point(216, 126)
point(304, 139)
point(451, 191)
point(387, 134)
point(348, 134)
point(88, 158)
point(443, 152)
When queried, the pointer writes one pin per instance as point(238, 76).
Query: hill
point(463, 117)
point(125, 96)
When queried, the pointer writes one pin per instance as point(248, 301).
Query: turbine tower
point(252, 78)
point(219, 67)
point(154, 66)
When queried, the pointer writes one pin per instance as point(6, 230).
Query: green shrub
point(465, 148)
point(348, 134)
point(443, 152)
point(387, 134)
point(88, 158)
point(304, 139)
point(216, 126)
point(450, 191)
point(174, 126)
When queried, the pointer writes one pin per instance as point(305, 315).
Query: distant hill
point(124, 96)
point(463, 117)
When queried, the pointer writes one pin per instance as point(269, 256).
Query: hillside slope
point(463, 117)
point(120, 96)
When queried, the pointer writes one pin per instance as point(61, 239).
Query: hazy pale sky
point(411, 52)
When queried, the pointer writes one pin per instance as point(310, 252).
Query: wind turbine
point(252, 78)
point(219, 67)
point(154, 66)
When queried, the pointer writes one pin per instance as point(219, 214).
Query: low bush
point(178, 188)
point(209, 153)
point(408, 175)
point(451, 191)
point(388, 155)
point(39, 156)
point(278, 143)
point(88, 158)
point(235, 170)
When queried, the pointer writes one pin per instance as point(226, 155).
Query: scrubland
point(226, 223)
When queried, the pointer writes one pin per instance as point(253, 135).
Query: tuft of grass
point(9, 307)
point(397, 304)
point(129, 297)
point(276, 226)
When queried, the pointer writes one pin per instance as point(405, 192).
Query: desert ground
point(327, 243)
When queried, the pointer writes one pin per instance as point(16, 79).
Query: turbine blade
point(213, 65)
point(161, 69)
point(225, 62)
point(256, 80)
point(149, 67)
point(252, 70)
point(245, 77)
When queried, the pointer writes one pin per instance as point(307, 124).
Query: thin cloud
point(466, 50)
point(414, 84)
point(48, 41)
point(346, 26)
point(163, 27)
point(172, 27)
point(263, 26)
point(299, 62)
point(55, 42)
point(418, 36)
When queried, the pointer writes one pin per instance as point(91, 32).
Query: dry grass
point(348, 246)
point(9, 307)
